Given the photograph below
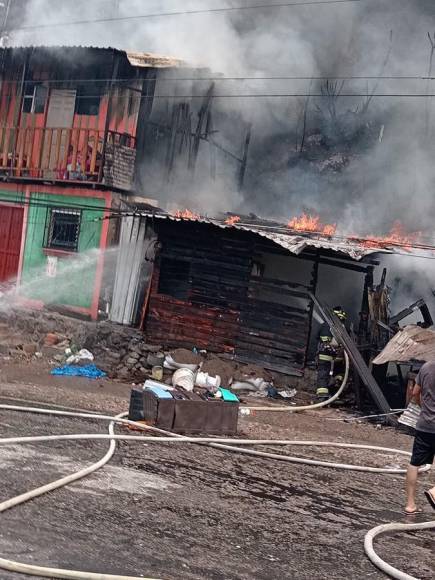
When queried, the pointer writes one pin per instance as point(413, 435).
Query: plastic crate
point(188, 416)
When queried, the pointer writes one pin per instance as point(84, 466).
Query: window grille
point(63, 229)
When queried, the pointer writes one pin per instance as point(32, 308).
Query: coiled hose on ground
point(166, 437)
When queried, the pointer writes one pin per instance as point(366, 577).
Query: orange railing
point(56, 153)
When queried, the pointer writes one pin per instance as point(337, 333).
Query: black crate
point(189, 416)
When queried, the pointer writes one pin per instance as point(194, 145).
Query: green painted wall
point(73, 284)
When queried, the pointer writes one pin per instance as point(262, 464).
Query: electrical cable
point(218, 10)
point(276, 96)
point(215, 79)
point(14, 566)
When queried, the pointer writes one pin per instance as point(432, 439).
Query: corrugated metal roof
point(136, 59)
point(150, 60)
point(293, 242)
point(410, 343)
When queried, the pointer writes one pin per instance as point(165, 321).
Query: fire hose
point(286, 408)
point(167, 437)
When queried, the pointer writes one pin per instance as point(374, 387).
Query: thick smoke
point(358, 161)
point(359, 169)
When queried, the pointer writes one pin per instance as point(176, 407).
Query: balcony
point(68, 155)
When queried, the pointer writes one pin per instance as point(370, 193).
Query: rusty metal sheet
point(410, 343)
point(150, 60)
point(295, 243)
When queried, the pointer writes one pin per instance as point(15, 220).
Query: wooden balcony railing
point(57, 153)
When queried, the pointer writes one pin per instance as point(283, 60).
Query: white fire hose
point(227, 444)
point(286, 408)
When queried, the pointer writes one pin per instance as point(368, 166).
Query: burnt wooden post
point(200, 127)
point(244, 160)
point(314, 280)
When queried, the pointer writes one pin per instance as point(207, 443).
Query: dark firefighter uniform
point(330, 359)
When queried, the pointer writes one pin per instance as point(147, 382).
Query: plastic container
point(184, 378)
point(157, 373)
point(205, 381)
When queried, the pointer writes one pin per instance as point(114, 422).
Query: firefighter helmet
point(340, 312)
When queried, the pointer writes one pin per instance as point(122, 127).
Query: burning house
point(238, 286)
point(81, 128)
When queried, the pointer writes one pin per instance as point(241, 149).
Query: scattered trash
point(82, 355)
point(157, 373)
point(184, 378)
point(172, 365)
point(251, 384)
point(205, 381)
point(88, 371)
point(183, 359)
point(228, 395)
point(287, 393)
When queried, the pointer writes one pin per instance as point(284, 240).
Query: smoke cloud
point(358, 161)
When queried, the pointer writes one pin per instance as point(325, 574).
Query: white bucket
point(205, 381)
point(184, 378)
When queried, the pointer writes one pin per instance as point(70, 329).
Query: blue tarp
point(88, 371)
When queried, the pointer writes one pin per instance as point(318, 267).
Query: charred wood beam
point(419, 305)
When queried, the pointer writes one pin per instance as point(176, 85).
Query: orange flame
point(187, 215)
point(311, 223)
point(232, 220)
point(397, 236)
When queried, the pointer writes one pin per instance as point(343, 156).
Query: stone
point(151, 348)
point(135, 355)
point(135, 349)
point(124, 373)
point(112, 356)
point(51, 351)
point(130, 361)
point(30, 349)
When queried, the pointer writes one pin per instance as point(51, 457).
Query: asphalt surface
point(187, 512)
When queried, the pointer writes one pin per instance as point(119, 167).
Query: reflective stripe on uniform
point(321, 391)
point(326, 357)
point(326, 338)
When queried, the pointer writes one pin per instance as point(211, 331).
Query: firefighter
point(330, 359)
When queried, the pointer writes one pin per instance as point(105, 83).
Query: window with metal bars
point(63, 229)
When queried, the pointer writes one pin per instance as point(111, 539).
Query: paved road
point(195, 513)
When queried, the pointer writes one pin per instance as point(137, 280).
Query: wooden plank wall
point(219, 267)
point(203, 294)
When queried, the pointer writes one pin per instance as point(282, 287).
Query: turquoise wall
point(73, 284)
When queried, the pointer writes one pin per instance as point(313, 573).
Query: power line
point(277, 95)
point(218, 10)
point(222, 79)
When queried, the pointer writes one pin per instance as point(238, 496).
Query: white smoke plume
point(363, 171)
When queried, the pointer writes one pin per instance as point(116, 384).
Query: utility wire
point(276, 95)
point(218, 10)
point(221, 79)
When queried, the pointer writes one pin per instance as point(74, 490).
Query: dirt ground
point(188, 512)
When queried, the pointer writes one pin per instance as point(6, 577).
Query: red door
point(11, 228)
